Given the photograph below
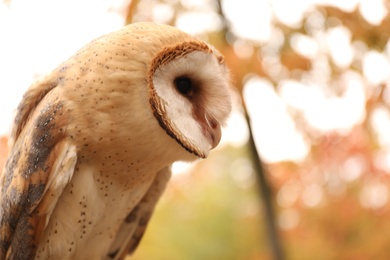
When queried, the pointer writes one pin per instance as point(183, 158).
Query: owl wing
point(40, 164)
point(134, 226)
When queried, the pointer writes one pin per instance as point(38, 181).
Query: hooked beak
point(213, 131)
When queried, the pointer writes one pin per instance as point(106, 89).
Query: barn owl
point(93, 141)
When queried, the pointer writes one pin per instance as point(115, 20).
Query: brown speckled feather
point(39, 166)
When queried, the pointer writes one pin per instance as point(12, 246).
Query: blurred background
point(310, 180)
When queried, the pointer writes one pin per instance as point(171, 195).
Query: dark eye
point(184, 85)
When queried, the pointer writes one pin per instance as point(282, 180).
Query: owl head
point(189, 94)
point(149, 78)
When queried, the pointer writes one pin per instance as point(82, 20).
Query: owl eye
point(184, 85)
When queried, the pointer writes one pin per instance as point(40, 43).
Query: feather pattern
point(41, 163)
point(134, 225)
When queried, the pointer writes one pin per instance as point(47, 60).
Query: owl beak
point(213, 132)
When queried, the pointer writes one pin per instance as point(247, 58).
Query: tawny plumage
point(93, 142)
